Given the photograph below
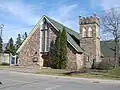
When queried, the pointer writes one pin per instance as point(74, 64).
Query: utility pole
point(1, 30)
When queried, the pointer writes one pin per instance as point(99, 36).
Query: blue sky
point(23, 13)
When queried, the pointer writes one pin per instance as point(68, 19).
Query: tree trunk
point(116, 53)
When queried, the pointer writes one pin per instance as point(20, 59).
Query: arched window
point(44, 34)
point(84, 32)
point(90, 32)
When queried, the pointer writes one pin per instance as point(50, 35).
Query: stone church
point(83, 47)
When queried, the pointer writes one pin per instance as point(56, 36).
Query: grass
point(112, 74)
point(52, 71)
point(115, 72)
point(3, 67)
point(99, 76)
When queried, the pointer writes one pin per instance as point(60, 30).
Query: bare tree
point(111, 25)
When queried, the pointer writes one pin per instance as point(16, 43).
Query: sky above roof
point(19, 16)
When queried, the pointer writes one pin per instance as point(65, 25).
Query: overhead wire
point(81, 14)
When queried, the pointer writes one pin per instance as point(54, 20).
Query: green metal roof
point(69, 33)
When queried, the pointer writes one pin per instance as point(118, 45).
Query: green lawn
point(111, 74)
point(52, 71)
point(2, 67)
point(100, 75)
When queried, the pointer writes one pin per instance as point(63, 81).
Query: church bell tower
point(90, 39)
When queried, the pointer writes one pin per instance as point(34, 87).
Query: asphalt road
point(19, 81)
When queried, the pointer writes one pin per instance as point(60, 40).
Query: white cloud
point(66, 10)
point(107, 4)
point(20, 10)
point(17, 14)
point(23, 14)
point(67, 15)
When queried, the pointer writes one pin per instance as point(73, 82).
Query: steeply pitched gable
point(57, 26)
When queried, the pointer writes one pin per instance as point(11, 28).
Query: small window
point(35, 59)
point(84, 32)
point(35, 53)
point(88, 58)
point(97, 32)
point(90, 32)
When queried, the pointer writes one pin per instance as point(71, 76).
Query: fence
point(8, 59)
point(4, 58)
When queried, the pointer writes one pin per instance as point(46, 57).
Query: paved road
point(20, 81)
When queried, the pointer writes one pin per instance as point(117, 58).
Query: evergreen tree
point(10, 47)
point(57, 50)
point(24, 36)
point(63, 49)
point(1, 45)
point(18, 41)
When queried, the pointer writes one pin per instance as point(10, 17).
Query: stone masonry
point(72, 63)
point(91, 45)
point(29, 55)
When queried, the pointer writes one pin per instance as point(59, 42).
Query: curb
point(90, 80)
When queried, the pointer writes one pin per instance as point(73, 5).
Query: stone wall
point(74, 59)
point(71, 54)
point(90, 51)
point(52, 34)
point(29, 55)
point(79, 60)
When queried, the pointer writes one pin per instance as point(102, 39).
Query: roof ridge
point(61, 24)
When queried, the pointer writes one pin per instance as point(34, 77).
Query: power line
point(1, 28)
point(20, 27)
point(82, 15)
point(100, 11)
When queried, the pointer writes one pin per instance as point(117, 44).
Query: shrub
point(4, 64)
point(82, 70)
point(115, 71)
point(103, 65)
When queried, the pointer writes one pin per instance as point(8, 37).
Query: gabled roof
point(69, 33)
point(60, 27)
point(57, 26)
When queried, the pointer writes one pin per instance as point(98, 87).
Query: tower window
point(43, 40)
point(88, 58)
point(84, 32)
point(90, 32)
point(97, 32)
